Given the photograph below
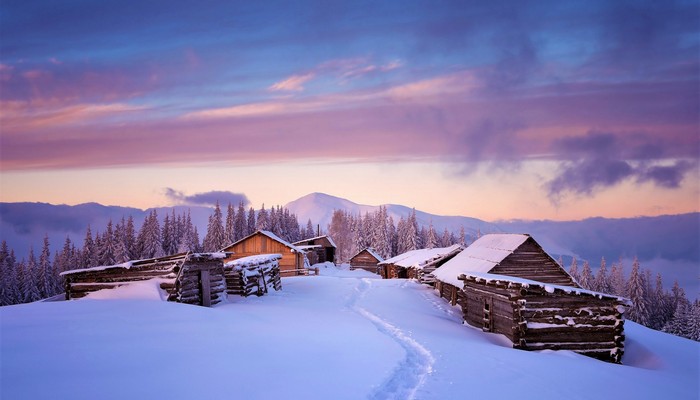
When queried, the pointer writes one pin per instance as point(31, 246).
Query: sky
point(532, 110)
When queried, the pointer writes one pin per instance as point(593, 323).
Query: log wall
point(186, 278)
point(364, 260)
point(534, 318)
point(260, 244)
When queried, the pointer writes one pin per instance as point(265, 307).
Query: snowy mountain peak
point(319, 208)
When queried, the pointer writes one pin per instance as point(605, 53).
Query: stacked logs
point(253, 275)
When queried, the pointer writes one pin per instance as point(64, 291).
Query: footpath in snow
point(342, 335)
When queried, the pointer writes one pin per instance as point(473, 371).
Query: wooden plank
point(205, 288)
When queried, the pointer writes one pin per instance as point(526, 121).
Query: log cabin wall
point(364, 260)
point(186, 278)
point(534, 318)
point(530, 261)
point(254, 278)
point(260, 244)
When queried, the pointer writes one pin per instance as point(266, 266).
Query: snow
point(419, 258)
point(330, 240)
point(279, 239)
point(342, 335)
point(253, 260)
point(372, 252)
point(481, 256)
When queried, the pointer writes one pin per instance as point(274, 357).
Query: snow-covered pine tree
point(393, 237)
point(660, 311)
point(602, 281)
point(309, 232)
point(432, 241)
point(423, 238)
point(263, 221)
point(30, 287)
point(239, 224)
point(130, 238)
point(230, 228)
point(587, 279)
point(573, 270)
point(251, 222)
point(636, 292)
point(445, 239)
point(149, 238)
point(166, 234)
point(215, 240)
point(462, 237)
point(121, 252)
point(47, 279)
point(414, 238)
point(87, 255)
point(617, 279)
point(107, 245)
point(9, 293)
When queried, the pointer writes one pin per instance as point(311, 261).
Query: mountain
point(319, 207)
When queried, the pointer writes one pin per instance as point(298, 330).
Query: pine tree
point(661, 311)
point(432, 237)
point(263, 222)
point(106, 250)
point(617, 279)
point(636, 291)
point(462, 237)
point(121, 251)
point(602, 282)
point(309, 232)
point(214, 240)
point(166, 234)
point(46, 283)
point(88, 252)
point(239, 225)
point(573, 271)
point(586, 280)
point(230, 229)
point(8, 277)
point(149, 238)
point(130, 239)
point(251, 222)
point(30, 288)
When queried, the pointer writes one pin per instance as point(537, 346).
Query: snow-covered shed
point(293, 261)
point(417, 264)
point(253, 275)
point(507, 284)
point(320, 249)
point(192, 278)
point(367, 259)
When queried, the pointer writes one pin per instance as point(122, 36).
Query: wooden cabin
point(539, 316)
point(507, 284)
point(253, 275)
point(293, 261)
point(417, 264)
point(367, 259)
point(318, 249)
point(192, 278)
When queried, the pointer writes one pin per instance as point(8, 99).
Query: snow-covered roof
point(330, 240)
point(421, 257)
point(177, 258)
point(253, 260)
point(271, 236)
point(480, 257)
point(548, 287)
point(372, 252)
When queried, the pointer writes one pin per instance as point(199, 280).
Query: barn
point(417, 264)
point(507, 284)
point(293, 261)
point(367, 259)
point(319, 249)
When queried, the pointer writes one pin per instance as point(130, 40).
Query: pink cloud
point(292, 84)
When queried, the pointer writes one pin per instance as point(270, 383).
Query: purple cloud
point(206, 198)
point(600, 159)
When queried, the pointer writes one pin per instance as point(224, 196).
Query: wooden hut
point(417, 264)
point(293, 261)
point(539, 316)
point(367, 259)
point(193, 278)
point(318, 249)
point(253, 275)
point(507, 284)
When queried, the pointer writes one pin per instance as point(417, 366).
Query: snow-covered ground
point(342, 335)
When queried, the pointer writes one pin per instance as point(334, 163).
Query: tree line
point(650, 304)
point(34, 278)
point(353, 233)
